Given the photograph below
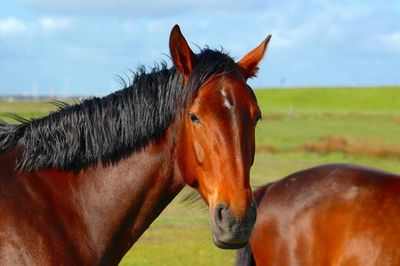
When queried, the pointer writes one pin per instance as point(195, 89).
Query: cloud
point(53, 24)
point(12, 25)
point(391, 41)
point(136, 9)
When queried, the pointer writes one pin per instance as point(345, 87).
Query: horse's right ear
point(182, 56)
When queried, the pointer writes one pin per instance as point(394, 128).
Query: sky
point(79, 47)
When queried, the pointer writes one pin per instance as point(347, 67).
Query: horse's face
point(216, 145)
point(216, 152)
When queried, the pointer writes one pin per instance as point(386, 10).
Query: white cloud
point(53, 24)
point(391, 41)
point(129, 8)
point(12, 25)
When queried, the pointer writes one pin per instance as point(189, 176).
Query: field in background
point(300, 128)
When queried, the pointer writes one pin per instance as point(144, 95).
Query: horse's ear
point(249, 63)
point(182, 56)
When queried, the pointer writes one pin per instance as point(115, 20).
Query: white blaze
point(225, 100)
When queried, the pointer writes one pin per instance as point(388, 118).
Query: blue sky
point(78, 47)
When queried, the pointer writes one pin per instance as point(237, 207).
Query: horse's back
point(329, 215)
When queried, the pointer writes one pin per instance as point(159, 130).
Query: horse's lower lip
point(224, 245)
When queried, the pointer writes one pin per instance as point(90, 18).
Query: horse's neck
point(112, 206)
point(149, 186)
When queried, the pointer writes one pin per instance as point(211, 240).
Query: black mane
point(110, 128)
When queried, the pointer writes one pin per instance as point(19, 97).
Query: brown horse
point(328, 215)
point(80, 186)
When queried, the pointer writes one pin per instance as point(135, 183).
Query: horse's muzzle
point(230, 232)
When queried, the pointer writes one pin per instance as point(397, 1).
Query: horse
point(81, 185)
point(337, 214)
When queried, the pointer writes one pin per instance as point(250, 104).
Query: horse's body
point(328, 215)
point(80, 186)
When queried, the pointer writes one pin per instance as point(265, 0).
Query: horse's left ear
point(249, 63)
point(182, 56)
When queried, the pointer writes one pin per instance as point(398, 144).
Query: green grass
point(293, 130)
point(377, 99)
point(291, 117)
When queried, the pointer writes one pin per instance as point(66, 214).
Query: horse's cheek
point(186, 158)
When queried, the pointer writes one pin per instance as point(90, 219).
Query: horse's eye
point(194, 118)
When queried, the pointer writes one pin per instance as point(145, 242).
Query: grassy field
point(300, 128)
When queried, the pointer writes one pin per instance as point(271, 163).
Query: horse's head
point(216, 143)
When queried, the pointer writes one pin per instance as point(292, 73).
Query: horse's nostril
point(224, 219)
point(219, 213)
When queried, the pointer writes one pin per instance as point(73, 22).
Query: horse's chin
point(224, 245)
